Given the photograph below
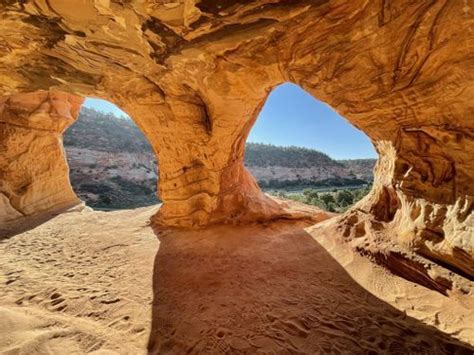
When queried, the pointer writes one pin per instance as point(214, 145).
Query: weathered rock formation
point(194, 74)
point(34, 176)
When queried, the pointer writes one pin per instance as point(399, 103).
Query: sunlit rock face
point(33, 169)
point(195, 74)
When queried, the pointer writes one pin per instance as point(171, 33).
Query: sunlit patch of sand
point(106, 282)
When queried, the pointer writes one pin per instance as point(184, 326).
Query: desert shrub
point(344, 198)
point(132, 187)
point(327, 198)
point(96, 188)
point(310, 184)
point(258, 154)
point(334, 201)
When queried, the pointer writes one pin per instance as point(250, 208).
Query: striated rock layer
point(195, 74)
point(34, 176)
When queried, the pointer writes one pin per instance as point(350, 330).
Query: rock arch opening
point(196, 89)
point(111, 163)
point(301, 149)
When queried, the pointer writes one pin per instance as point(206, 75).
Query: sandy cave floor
point(106, 283)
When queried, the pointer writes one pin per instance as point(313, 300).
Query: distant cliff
point(274, 166)
point(111, 163)
point(113, 166)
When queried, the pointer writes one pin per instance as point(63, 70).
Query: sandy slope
point(104, 283)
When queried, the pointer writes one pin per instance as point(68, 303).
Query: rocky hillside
point(111, 163)
point(277, 167)
point(113, 166)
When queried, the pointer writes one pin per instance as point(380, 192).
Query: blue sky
point(293, 117)
point(105, 106)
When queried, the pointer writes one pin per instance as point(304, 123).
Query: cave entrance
point(111, 163)
point(301, 149)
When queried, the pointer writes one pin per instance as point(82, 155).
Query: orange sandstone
point(195, 74)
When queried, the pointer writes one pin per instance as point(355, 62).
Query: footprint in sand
point(121, 323)
point(294, 328)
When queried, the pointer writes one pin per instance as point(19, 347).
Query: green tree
point(344, 198)
point(317, 202)
point(313, 195)
point(327, 198)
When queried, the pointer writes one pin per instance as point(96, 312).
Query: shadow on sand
point(272, 289)
point(24, 224)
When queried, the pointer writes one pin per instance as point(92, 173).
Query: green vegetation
point(134, 188)
point(118, 193)
point(257, 154)
point(364, 163)
point(105, 132)
point(332, 201)
point(97, 188)
point(303, 183)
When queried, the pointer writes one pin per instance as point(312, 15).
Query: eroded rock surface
point(34, 176)
point(194, 75)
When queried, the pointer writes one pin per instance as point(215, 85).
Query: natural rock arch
point(111, 163)
point(194, 75)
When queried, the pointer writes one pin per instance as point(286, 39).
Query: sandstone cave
point(194, 75)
